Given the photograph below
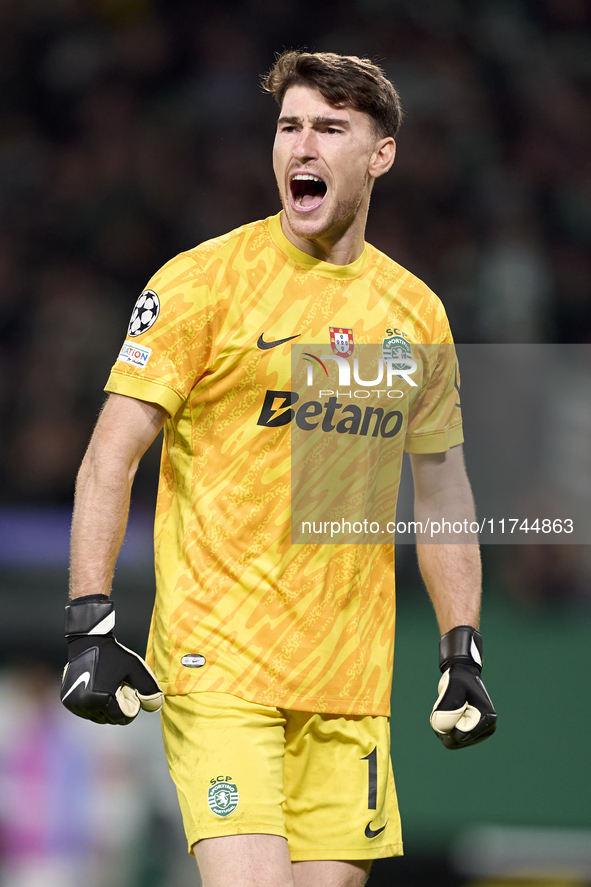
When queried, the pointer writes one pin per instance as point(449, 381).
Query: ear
point(382, 157)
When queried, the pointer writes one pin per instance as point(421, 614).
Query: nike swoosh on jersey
point(265, 345)
point(369, 832)
point(84, 677)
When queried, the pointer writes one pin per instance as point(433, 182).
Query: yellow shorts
point(322, 781)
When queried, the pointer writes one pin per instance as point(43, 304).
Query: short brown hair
point(344, 81)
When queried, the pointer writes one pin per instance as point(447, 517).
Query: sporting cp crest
point(222, 798)
point(398, 350)
point(341, 340)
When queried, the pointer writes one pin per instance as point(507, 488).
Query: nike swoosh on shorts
point(84, 677)
point(265, 345)
point(369, 832)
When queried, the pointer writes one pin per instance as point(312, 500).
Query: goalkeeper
point(273, 662)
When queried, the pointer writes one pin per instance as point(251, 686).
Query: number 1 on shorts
point(372, 766)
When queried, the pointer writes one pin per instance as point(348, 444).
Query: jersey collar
point(324, 269)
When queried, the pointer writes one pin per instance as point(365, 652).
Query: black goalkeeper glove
point(463, 713)
point(103, 680)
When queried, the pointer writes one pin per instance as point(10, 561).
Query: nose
point(306, 146)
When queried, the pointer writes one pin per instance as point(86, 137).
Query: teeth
point(305, 178)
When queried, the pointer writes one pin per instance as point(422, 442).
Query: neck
point(340, 246)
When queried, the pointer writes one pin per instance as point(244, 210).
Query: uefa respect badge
point(222, 797)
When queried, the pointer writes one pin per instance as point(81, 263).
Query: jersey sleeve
point(168, 344)
point(435, 422)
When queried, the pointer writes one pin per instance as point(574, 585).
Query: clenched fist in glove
point(103, 680)
point(463, 713)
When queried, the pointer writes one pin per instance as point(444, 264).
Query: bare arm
point(124, 431)
point(451, 571)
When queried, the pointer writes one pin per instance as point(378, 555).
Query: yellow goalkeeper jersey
point(239, 607)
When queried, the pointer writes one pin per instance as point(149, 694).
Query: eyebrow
point(317, 121)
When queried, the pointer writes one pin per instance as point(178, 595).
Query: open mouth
point(307, 191)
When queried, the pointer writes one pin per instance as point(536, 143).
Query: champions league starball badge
point(145, 313)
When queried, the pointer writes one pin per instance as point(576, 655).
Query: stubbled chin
point(310, 222)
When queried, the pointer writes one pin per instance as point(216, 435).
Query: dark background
point(133, 129)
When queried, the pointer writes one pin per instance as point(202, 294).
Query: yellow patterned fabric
point(307, 627)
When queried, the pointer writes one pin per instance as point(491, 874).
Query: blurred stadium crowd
point(133, 129)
